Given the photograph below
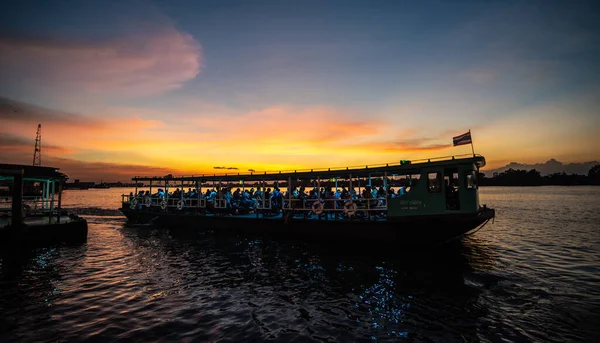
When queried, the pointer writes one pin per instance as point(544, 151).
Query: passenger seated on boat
point(161, 193)
point(130, 196)
point(245, 203)
point(402, 190)
point(276, 200)
point(228, 199)
point(236, 195)
point(381, 192)
point(391, 193)
point(329, 204)
point(368, 197)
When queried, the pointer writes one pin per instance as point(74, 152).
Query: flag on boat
point(463, 139)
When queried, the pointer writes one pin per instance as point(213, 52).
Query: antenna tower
point(37, 154)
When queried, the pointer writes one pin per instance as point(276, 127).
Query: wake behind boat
point(427, 201)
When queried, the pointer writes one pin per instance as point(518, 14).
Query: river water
point(534, 275)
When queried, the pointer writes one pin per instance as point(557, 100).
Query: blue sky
point(413, 74)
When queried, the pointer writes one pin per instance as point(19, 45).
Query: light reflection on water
point(532, 276)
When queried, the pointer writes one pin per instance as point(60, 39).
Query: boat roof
point(400, 167)
point(31, 172)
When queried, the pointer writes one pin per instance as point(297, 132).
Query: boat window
point(434, 182)
point(470, 180)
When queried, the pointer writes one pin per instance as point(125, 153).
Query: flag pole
point(472, 149)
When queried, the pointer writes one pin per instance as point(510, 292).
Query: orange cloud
point(65, 133)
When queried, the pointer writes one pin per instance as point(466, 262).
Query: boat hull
point(404, 230)
point(44, 229)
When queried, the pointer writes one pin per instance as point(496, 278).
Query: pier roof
point(402, 166)
point(31, 172)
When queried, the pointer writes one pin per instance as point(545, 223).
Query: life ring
point(133, 203)
point(163, 204)
point(148, 202)
point(350, 208)
point(180, 205)
point(317, 207)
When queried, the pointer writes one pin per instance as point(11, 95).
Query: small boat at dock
point(30, 211)
point(408, 202)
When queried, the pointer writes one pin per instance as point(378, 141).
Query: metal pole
point(60, 194)
point(52, 201)
point(59, 199)
point(17, 202)
point(472, 149)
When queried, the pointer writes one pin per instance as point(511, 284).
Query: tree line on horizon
point(518, 177)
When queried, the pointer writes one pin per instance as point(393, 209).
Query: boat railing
point(220, 203)
point(347, 206)
point(377, 204)
point(145, 201)
point(34, 203)
point(263, 204)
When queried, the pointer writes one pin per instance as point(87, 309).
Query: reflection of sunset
point(168, 95)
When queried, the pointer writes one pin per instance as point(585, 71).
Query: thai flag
point(463, 139)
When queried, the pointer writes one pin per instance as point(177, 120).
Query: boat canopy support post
point(198, 195)
point(136, 189)
point(350, 188)
point(167, 191)
point(289, 193)
point(150, 188)
point(318, 188)
point(385, 186)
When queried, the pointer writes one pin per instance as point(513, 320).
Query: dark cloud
point(12, 142)
point(12, 110)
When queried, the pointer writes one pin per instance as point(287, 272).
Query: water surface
point(534, 275)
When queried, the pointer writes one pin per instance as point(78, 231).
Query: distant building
point(79, 185)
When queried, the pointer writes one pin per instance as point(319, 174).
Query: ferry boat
point(30, 209)
point(408, 202)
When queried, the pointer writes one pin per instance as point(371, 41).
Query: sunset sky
point(126, 88)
